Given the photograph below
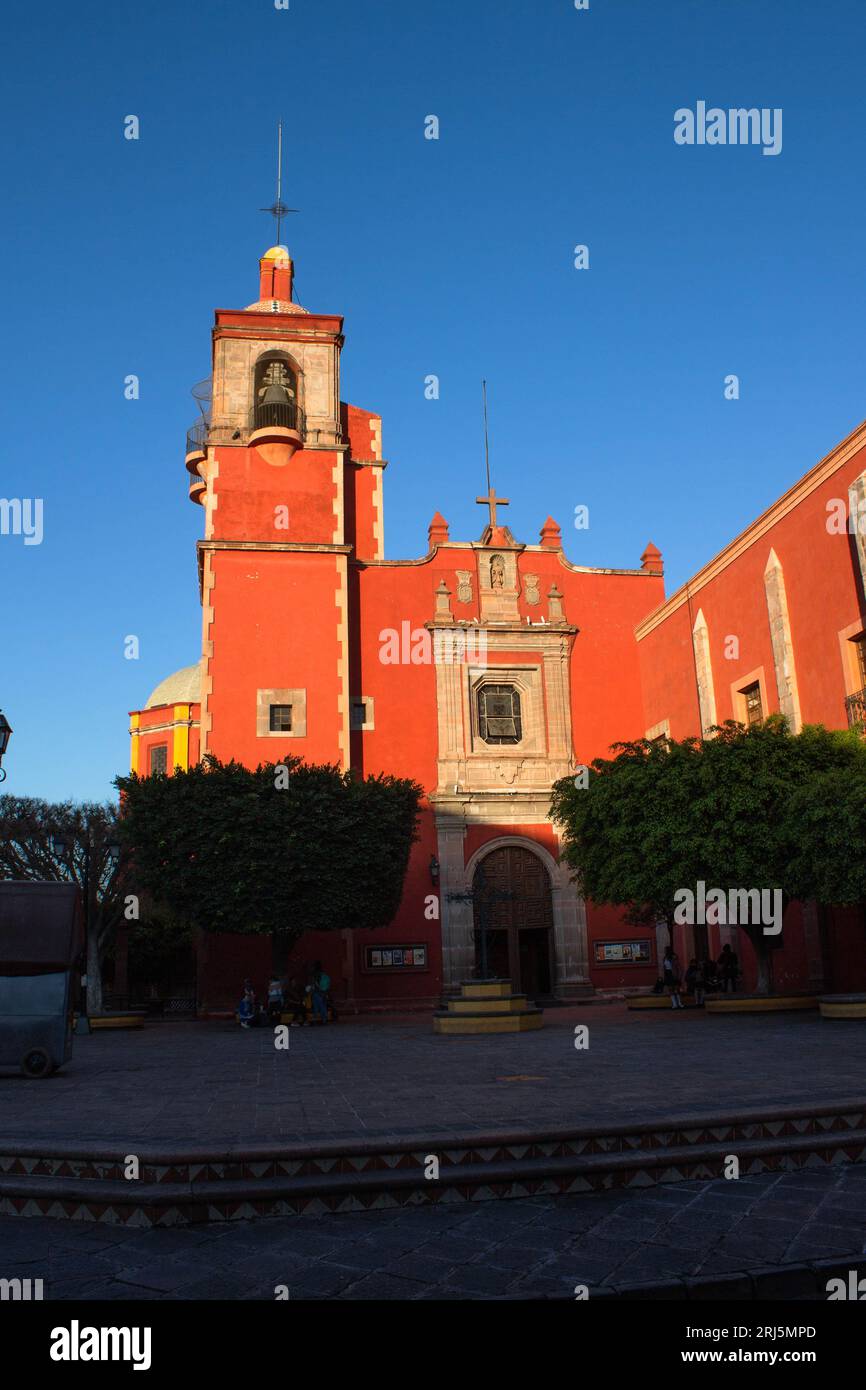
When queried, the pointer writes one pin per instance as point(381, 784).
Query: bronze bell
point(276, 395)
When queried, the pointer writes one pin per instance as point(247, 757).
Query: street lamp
point(5, 732)
point(59, 845)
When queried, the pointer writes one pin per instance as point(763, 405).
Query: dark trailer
point(41, 939)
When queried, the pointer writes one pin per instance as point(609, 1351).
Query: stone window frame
point(658, 731)
point(850, 663)
point(295, 697)
point(738, 698)
point(157, 748)
point(369, 721)
point(529, 682)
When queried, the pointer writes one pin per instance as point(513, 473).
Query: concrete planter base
point(760, 1003)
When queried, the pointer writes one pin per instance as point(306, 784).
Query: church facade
point(485, 669)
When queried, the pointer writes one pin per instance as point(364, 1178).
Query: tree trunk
point(94, 975)
point(765, 970)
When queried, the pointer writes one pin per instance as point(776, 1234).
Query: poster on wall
point(396, 958)
point(622, 952)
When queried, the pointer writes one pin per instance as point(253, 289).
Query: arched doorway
point(511, 896)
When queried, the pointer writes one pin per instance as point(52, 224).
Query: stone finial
point(651, 560)
point(443, 600)
point(554, 604)
point(551, 535)
point(437, 531)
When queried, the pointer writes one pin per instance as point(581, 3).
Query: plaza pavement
point(525, 1248)
point(203, 1082)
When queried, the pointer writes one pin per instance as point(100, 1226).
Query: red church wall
point(606, 695)
point(249, 490)
point(846, 942)
point(263, 638)
point(823, 596)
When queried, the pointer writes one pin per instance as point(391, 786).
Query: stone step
point(171, 1203)
point(83, 1180)
point(495, 1021)
point(486, 988)
point(476, 1003)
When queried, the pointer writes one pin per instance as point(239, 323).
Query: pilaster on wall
point(342, 601)
point(780, 636)
point(211, 499)
point(337, 477)
point(857, 510)
point(180, 740)
point(457, 925)
point(378, 515)
point(207, 616)
point(704, 671)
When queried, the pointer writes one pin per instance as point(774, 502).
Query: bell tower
point(269, 463)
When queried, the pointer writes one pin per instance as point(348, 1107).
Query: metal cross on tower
point(491, 499)
point(278, 209)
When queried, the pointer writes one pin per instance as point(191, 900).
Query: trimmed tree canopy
point(657, 818)
point(284, 849)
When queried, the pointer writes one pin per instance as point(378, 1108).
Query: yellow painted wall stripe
point(180, 752)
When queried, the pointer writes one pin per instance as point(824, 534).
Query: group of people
point(702, 977)
point(287, 996)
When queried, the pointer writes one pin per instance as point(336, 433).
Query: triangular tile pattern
point(391, 1177)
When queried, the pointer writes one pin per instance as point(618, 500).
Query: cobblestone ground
point(464, 1251)
point(203, 1082)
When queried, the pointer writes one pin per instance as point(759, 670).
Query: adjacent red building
point(484, 669)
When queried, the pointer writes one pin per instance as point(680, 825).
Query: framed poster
point(402, 958)
point(622, 953)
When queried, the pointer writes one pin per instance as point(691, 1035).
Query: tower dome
point(183, 687)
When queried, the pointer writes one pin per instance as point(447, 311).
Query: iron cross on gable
point(491, 501)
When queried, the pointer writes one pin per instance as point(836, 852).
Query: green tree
point(284, 849)
point(825, 829)
point(659, 817)
point(27, 828)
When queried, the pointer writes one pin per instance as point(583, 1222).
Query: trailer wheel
point(36, 1063)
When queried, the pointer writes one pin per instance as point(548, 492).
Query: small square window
point(280, 719)
point(281, 712)
point(159, 758)
point(361, 713)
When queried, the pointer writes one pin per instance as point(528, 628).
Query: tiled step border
point(199, 1183)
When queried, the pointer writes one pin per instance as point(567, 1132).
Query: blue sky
point(452, 257)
